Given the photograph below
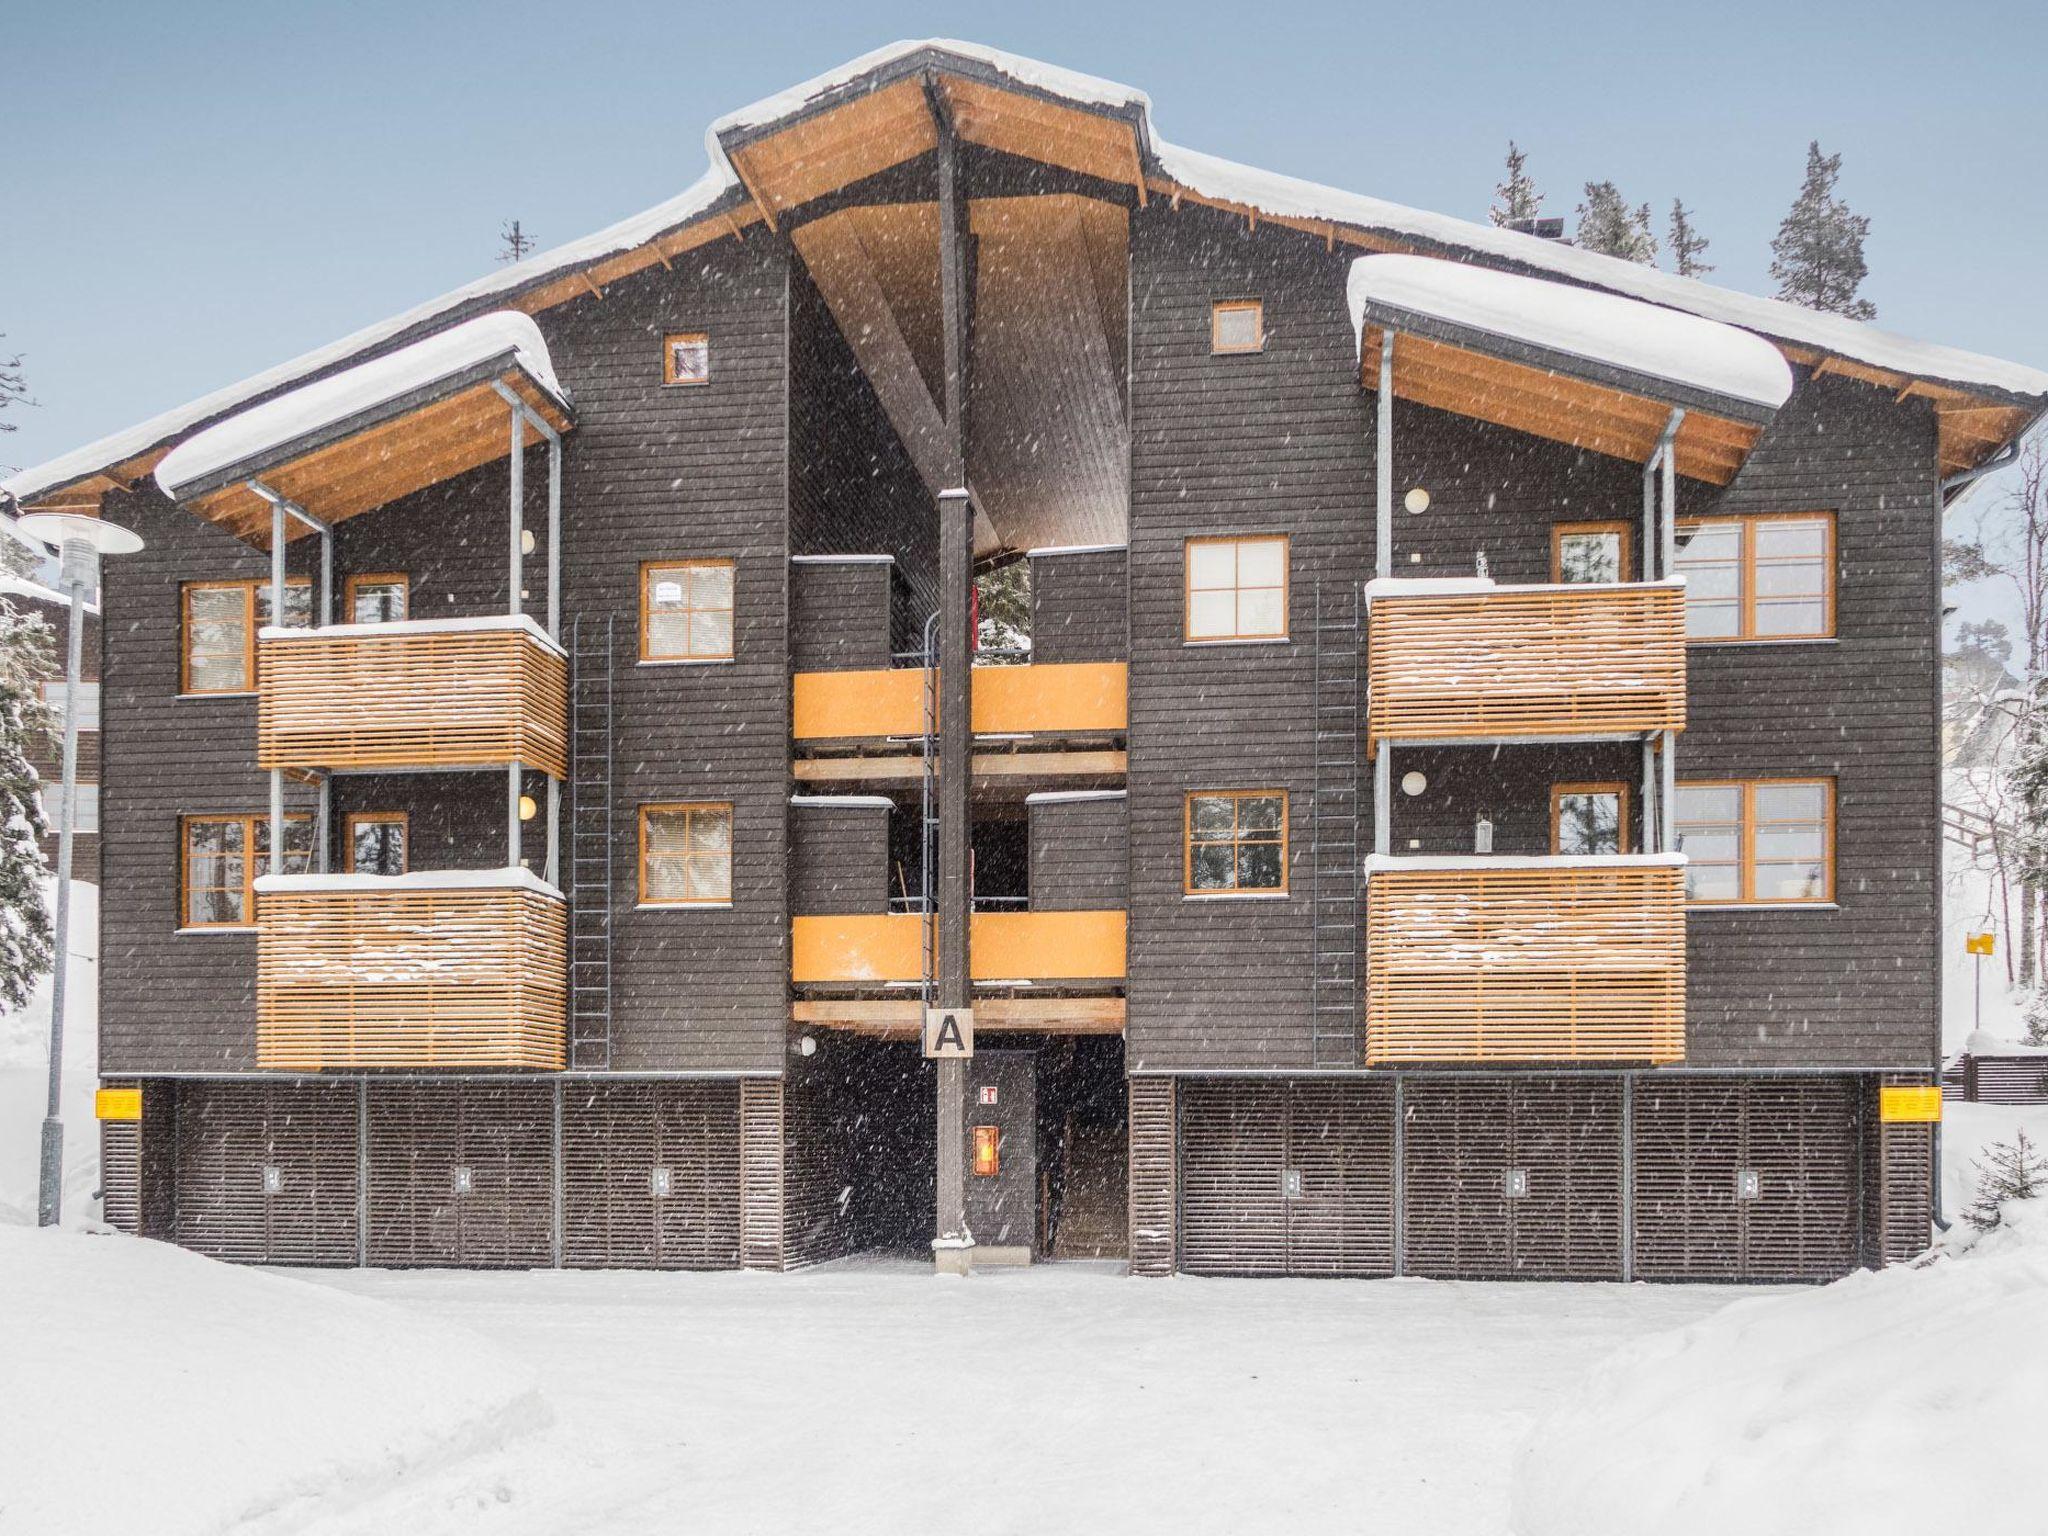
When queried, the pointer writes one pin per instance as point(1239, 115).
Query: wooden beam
point(738, 160)
point(990, 766)
point(900, 1018)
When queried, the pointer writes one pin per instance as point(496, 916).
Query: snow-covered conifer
point(2009, 1170)
point(1608, 225)
point(1817, 256)
point(27, 648)
point(1687, 244)
point(1515, 197)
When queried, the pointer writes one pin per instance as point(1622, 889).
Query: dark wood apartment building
point(1468, 806)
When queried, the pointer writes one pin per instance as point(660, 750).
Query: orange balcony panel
point(1075, 698)
point(875, 948)
point(839, 706)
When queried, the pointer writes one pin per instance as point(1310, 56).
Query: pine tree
point(1817, 256)
point(2009, 1170)
point(1516, 196)
point(1686, 244)
point(1003, 601)
point(1608, 225)
point(515, 243)
point(27, 651)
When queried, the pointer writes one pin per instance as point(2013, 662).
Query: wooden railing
point(431, 694)
point(1511, 663)
point(876, 948)
point(1086, 698)
point(1504, 959)
point(425, 970)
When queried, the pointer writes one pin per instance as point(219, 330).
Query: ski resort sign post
point(949, 1033)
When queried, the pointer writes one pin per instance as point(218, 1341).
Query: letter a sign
point(948, 1032)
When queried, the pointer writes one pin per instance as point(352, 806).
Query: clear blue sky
point(196, 191)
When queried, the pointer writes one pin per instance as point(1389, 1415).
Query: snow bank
point(1903, 1400)
point(1579, 322)
point(24, 1079)
point(149, 1389)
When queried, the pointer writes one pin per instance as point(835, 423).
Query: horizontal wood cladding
point(838, 859)
point(1580, 963)
point(874, 948)
point(1080, 854)
point(762, 1148)
point(264, 1173)
point(839, 615)
point(1073, 698)
point(411, 978)
point(461, 1173)
point(1904, 1163)
point(1080, 606)
point(1154, 1175)
point(1462, 1138)
point(650, 1175)
point(1694, 1137)
point(467, 698)
point(1505, 664)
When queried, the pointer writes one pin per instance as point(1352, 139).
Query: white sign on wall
point(949, 1033)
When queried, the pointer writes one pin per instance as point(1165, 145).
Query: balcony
point(875, 949)
point(437, 693)
point(1465, 660)
point(458, 968)
point(1501, 959)
point(1086, 698)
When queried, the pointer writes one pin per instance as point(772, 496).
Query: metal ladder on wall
point(928, 817)
point(590, 843)
point(1335, 873)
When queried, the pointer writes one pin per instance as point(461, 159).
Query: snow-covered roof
point(1201, 174)
point(35, 591)
point(276, 425)
point(1599, 328)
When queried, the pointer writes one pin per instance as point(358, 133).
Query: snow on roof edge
point(1207, 175)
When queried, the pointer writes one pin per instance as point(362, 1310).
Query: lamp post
point(83, 540)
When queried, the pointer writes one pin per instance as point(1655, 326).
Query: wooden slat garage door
point(1461, 1139)
point(421, 1134)
point(228, 1134)
point(614, 1137)
point(1694, 1136)
point(1238, 1142)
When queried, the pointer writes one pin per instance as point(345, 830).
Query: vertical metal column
point(516, 576)
point(276, 617)
point(513, 773)
point(1383, 457)
point(1667, 467)
point(1383, 800)
point(1667, 812)
point(1652, 842)
point(555, 537)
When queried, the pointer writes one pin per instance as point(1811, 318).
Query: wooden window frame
point(1595, 787)
point(1559, 532)
point(1219, 309)
point(1187, 588)
point(354, 819)
point(1746, 830)
point(248, 589)
point(1187, 842)
point(690, 563)
point(250, 856)
point(669, 377)
point(400, 579)
point(732, 838)
point(1745, 570)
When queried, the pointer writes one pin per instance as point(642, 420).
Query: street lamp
point(83, 540)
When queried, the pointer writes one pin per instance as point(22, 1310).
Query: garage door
point(651, 1175)
point(1513, 1178)
point(1286, 1178)
point(462, 1174)
point(265, 1173)
point(1745, 1178)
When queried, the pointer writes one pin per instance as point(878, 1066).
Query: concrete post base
point(953, 1259)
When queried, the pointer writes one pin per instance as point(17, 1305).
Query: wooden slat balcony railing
point(1469, 661)
point(877, 948)
point(435, 693)
point(459, 968)
point(1525, 959)
point(1083, 698)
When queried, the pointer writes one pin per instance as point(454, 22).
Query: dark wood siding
point(840, 614)
point(838, 859)
point(1901, 1158)
point(229, 1133)
point(763, 1137)
point(1080, 606)
point(1154, 1186)
point(1275, 441)
point(1080, 854)
point(420, 1134)
point(614, 1137)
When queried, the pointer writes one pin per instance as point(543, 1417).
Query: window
point(686, 610)
point(1758, 840)
point(686, 358)
point(1237, 588)
point(1759, 578)
point(88, 705)
point(1588, 819)
point(223, 855)
point(1237, 325)
point(221, 620)
point(1236, 841)
point(88, 803)
point(379, 598)
point(1586, 553)
point(685, 854)
point(377, 842)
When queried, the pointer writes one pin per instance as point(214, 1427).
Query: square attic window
point(686, 358)
point(1237, 325)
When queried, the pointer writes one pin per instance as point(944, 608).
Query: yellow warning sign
point(1897, 1106)
point(118, 1104)
point(1981, 944)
